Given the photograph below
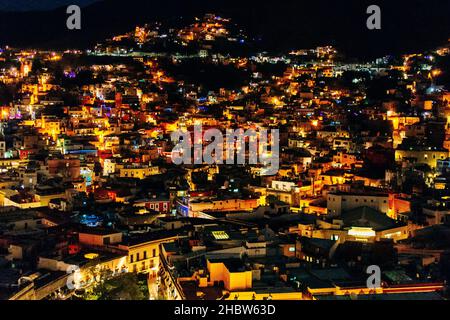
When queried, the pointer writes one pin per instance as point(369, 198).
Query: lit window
point(220, 235)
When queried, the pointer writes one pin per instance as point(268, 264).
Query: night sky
point(282, 25)
point(34, 5)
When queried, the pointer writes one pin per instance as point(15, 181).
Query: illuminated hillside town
point(94, 207)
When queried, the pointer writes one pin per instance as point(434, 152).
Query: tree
point(5, 95)
point(123, 287)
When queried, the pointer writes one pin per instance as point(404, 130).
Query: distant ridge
point(407, 25)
